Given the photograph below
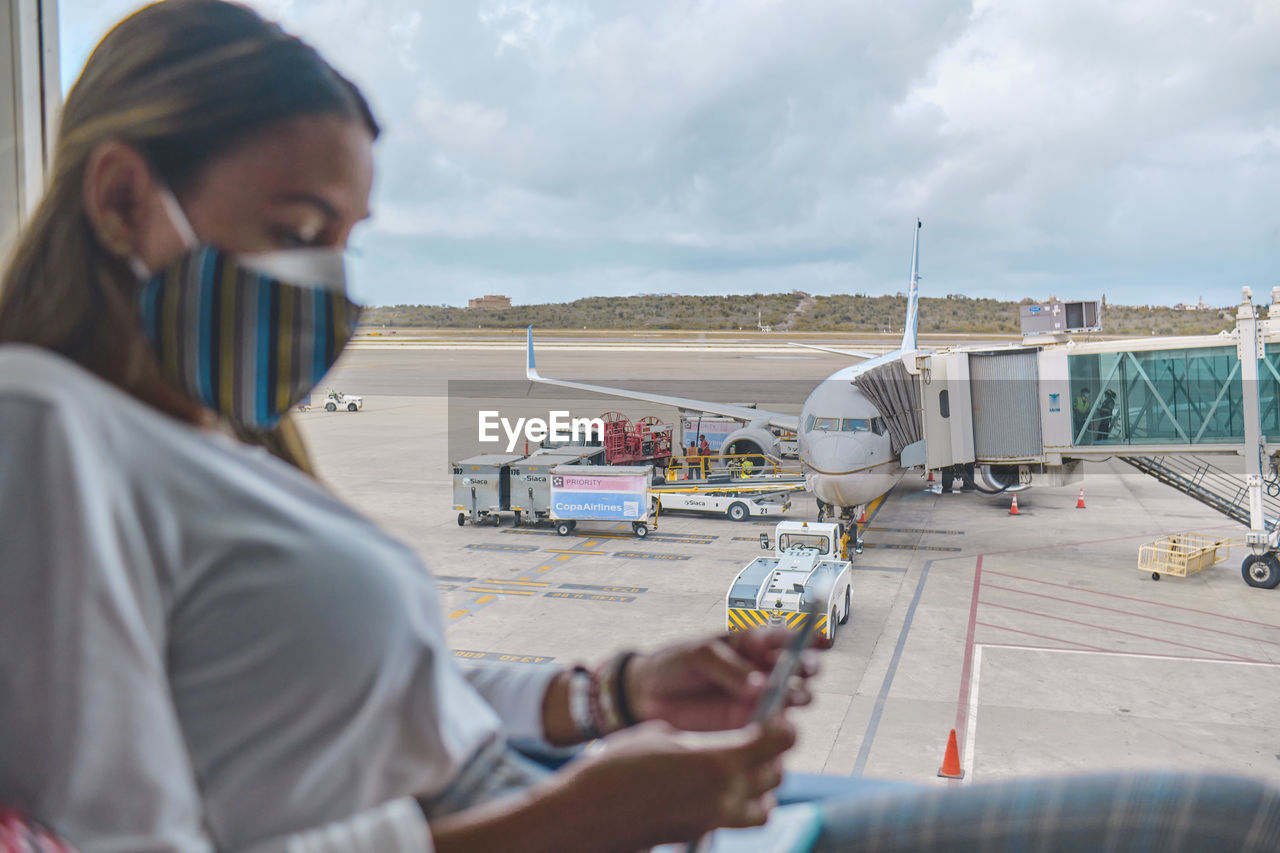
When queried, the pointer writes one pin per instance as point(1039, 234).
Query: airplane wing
point(743, 413)
point(853, 352)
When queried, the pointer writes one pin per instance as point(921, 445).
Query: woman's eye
point(288, 238)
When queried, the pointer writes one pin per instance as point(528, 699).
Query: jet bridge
point(1031, 412)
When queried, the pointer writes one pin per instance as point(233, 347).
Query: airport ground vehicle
point(337, 400)
point(482, 487)
point(776, 590)
point(732, 505)
point(602, 493)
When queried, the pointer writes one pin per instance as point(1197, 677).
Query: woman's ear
point(118, 189)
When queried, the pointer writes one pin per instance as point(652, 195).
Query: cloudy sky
point(558, 149)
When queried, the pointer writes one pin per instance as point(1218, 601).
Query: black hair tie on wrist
point(620, 678)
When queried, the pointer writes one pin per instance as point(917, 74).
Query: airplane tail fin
point(910, 329)
point(531, 368)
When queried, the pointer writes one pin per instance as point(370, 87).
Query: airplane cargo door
point(1006, 406)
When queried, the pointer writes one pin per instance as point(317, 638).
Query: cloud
point(556, 149)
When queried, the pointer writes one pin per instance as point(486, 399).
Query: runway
point(1035, 636)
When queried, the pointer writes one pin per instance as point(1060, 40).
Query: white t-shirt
point(201, 647)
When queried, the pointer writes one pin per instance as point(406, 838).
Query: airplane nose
point(833, 461)
point(835, 454)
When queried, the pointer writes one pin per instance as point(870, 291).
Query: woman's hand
point(647, 785)
point(714, 684)
point(655, 785)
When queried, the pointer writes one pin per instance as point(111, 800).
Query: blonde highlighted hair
point(182, 81)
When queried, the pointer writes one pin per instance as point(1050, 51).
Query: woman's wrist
point(582, 704)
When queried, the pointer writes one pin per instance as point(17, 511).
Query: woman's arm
point(90, 742)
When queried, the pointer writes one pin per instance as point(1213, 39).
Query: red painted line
point(1129, 613)
point(1113, 630)
point(1043, 637)
point(1133, 598)
point(966, 669)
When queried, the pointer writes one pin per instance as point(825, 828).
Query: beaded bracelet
point(580, 689)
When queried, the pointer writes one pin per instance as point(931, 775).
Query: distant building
point(489, 302)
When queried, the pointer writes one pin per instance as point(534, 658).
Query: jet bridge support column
point(1250, 350)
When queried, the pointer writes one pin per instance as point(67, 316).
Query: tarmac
point(1034, 636)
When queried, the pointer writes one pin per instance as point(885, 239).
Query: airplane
point(845, 448)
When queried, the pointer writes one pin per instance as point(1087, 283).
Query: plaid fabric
point(18, 835)
point(1157, 812)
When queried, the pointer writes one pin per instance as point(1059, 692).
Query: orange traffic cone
point(930, 480)
point(1080, 500)
point(1013, 508)
point(951, 768)
point(862, 519)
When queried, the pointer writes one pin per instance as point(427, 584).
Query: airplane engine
point(1000, 478)
point(753, 440)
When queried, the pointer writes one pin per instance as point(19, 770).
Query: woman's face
point(302, 182)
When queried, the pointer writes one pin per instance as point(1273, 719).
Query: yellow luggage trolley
point(1183, 554)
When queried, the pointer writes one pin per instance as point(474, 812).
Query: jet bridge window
point(803, 540)
point(856, 425)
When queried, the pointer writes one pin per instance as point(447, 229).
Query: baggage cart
point(1182, 554)
point(531, 480)
point(602, 493)
point(482, 487)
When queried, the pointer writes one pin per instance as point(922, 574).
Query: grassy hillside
point(841, 313)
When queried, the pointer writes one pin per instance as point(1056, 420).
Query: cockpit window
point(826, 424)
point(878, 426)
point(856, 425)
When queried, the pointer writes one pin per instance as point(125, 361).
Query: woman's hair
point(182, 81)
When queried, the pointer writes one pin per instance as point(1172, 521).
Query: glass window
point(878, 426)
point(827, 424)
point(1184, 396)
point(808, 425)
point(803, 540)
point(856, 425)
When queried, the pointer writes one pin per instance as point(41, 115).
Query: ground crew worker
point(1080, 411)
point(704, 448)
point(1106, 410)
point(747, 467)
point(691, 460)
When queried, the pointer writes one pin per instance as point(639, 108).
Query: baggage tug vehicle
point(808, 562)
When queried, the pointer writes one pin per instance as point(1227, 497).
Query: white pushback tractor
point(808, 562)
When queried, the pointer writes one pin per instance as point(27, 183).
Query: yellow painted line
point(593, 543)
point(562, 558)
point(545, 568)
point(526, 578)
point(874, 507)
point(567, 551)
point(485, 599)
point(521, 582)
point(500, 591)
point(457, 613)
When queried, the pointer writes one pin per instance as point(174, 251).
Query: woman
point(189, 660)
point(193, 654)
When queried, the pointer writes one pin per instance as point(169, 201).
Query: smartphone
point(774, 697)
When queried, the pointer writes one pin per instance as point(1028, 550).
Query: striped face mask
point(247, 335)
